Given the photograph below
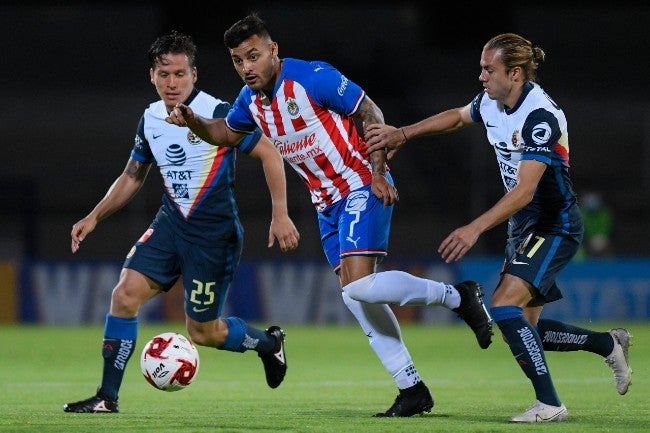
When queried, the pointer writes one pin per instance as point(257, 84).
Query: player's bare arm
point(282, 227)
point(125, 187)
point(461, 240)
point(390, 138)
point(368, 113)
point(213, 131)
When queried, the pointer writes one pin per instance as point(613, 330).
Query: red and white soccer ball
point(169, 361)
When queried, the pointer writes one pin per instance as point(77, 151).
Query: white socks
point(380, 326)
point(398, 287)
point(367, 299)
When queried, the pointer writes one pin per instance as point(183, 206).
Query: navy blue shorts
point(538, 258)
point(207, 271)
point(357, 225)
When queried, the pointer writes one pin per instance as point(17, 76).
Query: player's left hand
point(383, 189)
point(384, 137)
point(458, 243)
point(284, 230)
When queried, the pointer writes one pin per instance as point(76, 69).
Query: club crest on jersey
point(180, 190)
point(292, 108)
point(193, 138)
point(516, 139)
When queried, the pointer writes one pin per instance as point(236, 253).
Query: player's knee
point(124, 303)
point(361, 289)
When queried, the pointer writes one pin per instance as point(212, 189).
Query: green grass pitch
point(334, 384)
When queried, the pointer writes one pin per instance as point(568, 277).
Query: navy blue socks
point(119, 344)
point(527, 349)
point(562, 337)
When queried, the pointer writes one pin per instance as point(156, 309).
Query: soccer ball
point(169, 361)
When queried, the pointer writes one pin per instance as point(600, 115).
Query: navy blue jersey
point(534, 129)
point(198, 177)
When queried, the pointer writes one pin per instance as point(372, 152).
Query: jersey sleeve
point(250, 141)
point(141, 151)
point(252, 137)
point(475, 108)
point(239, 118)
point(333, 90)
point(221, 110)
point(540, 132)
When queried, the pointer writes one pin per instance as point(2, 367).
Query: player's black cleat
point(472, 310)
point(412, 401)
point(275, 361)
point(98, 403)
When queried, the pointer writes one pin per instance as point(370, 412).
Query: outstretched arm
point(461, 240)
point(368, 113)
point(282, 226)
point(386, 137)
point(125, 187)
point(213, 131)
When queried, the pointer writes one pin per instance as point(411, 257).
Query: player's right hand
point(180, 115)
point(80, 230)
point(286, 233)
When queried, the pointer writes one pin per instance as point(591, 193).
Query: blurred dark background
point(76, 80)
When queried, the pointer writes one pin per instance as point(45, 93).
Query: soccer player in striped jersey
point(309, 110)
point(196, 237)
point(528, 131)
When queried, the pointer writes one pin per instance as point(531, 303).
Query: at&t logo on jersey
point(175, 154)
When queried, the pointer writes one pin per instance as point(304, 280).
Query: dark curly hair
point(243, 29)
point(175, 43)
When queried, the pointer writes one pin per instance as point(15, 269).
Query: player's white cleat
point(618, 359)
point(541, 412)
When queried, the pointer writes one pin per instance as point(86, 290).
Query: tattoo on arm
point(369, 113)
point(135, 169)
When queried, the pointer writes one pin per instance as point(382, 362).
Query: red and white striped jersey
point(308, 118)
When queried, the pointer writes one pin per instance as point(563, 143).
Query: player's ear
point(151, 75)
point(195, 75)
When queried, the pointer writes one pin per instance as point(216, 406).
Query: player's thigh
point(131, 292)
point(539, 260)
point(512, 290)
point(208, 272)
point(358, 225)
point(155, 255)
point(364, 224)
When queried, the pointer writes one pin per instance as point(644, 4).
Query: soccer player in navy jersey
point(528, 131)
point(196, 235)
point(309, 109)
